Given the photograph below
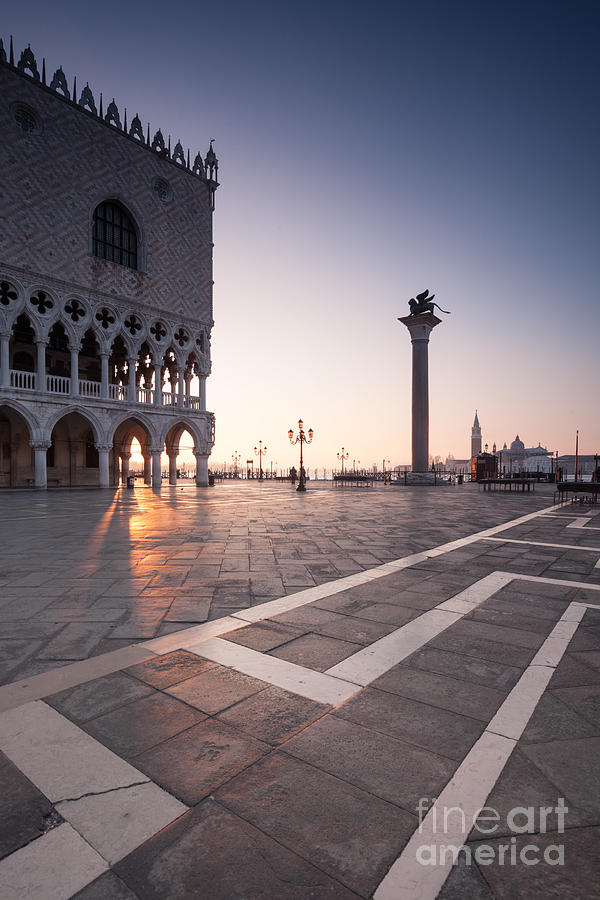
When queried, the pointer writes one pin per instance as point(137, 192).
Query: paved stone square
point(247, 692)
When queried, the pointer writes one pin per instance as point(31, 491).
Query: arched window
point(115, 236)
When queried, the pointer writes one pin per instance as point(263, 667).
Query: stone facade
point(95, 352)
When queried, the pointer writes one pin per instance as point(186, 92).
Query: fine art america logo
point(444, 823)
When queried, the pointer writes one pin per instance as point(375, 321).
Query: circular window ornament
point(162, 189)
point(26, 118)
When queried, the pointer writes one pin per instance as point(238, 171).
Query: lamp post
point(384, 474)
point(236, 459)
point(343, 456)
point(301, 439)
point(260, 451)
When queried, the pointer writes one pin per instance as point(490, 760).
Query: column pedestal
point(420, 328)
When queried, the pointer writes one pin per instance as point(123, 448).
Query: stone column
point(5, 360)
point(201, 468)
point(132, 386)
point(103, 464)
point(420, 327)
point(147, 470)
point(173, 468)
point(156, 476)
point(180, 387)
point(104, 379)
point(40, 378)
point(40, 451)
point(75, 370)
point(202, 391)
point(158, 384)
point(125, 457)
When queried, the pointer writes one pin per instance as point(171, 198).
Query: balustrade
point(117, 391)
point(89, 388)
point(145, 395)
point(58, 384)
point(24, 381)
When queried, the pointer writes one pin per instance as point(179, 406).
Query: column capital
point(199, 452)
point(421, 326)
point(153, 450)
point(125, 455)
point(103, 448)
point(42, 340)
point(104, 354)
point(40, 445)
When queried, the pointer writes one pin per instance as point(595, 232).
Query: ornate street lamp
point(343, 456)
point(236, 459)
point(260, 451)
point(301, 439)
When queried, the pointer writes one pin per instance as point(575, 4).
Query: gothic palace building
point(105, 287)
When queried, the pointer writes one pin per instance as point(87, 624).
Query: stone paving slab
point(290, 797)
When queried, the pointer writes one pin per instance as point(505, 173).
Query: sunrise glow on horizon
point(362, 159)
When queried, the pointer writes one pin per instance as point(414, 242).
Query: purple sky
point(368, 152)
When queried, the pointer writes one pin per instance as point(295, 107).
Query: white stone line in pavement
point(179, 639)
point(545, 544)
point(67, 765)
point(581, 522)
point(467, 790)
point(55, 866)
point(473, 781)
point(511, 719)
point(297, 679)
point(369, 663)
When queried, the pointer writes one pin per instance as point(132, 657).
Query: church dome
point(517, 444)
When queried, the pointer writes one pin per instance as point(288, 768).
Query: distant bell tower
point(475, 437)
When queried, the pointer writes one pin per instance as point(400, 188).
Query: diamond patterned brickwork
point(54, 178)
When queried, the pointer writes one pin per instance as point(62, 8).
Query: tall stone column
point(5, 359)
point(147, 470)
point(103, 464)
point(173, 468)
point(156, 474)
point(420, 327)
point(202, 391)
point(40, 451)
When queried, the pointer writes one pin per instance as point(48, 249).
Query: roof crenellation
point(207, 169)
